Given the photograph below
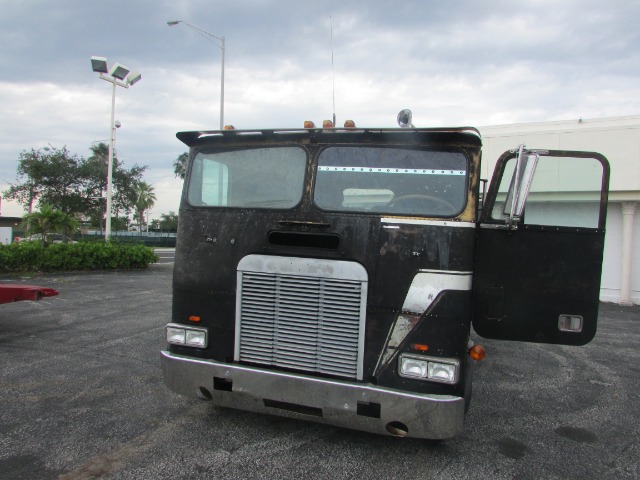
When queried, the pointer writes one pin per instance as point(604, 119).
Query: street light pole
point(119, 75)
point(222, 86)
point(211, 36)
point(107, 227)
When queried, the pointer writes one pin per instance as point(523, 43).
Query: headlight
point(177, 334)
point(196, 338)
point(443, 370)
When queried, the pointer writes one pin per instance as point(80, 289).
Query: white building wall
point(5, 235)
point(618, 139)
point(612, 267)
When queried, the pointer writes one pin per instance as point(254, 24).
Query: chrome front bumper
point(363, 407)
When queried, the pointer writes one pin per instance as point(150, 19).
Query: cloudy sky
point(452, 63)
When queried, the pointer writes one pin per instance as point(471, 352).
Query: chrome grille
point(300, 315)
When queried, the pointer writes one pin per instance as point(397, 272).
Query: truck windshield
point(398, 181)
point(251, 178)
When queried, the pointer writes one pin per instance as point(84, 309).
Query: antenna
point(333, 75)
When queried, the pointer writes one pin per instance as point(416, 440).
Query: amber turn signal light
point(477, 352)
point(194, 318)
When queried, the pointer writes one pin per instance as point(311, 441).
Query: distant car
point(49, 238)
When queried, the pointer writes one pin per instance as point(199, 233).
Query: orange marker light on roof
point(327, 124)
point(477, 352)
point(349, 124)
point(309, 124)
point(229, 127)
point(194, 318)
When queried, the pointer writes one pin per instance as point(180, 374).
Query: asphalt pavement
point(82, 397)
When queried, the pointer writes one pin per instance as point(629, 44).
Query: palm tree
point(180, 165)
point(49, 220)
point(145, 199)
point(100, 151)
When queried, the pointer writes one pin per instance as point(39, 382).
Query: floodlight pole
point(122, 77)
point(222, 47)
point(107, 227)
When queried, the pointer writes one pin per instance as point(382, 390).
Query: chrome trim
point(496, 226)
point(415, 221)
point(292, 301)
point(391, 170)
point(427, 285)
point(446, 272)
point(336, 402)
point(310, 267)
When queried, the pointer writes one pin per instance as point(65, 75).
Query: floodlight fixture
point(119, 71)
point(133, 78)
point(99, 64)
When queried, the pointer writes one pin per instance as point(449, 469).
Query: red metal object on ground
point(16, 293)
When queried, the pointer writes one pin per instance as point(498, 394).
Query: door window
point(549, 190)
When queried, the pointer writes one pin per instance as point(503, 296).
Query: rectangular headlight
point(176, 335)
point(196, 338)
point(443, 370)
point(184, 335)
point(412, 367)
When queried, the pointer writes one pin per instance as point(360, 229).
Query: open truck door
point(540, 241)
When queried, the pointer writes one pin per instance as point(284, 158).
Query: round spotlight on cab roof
point(327, 124)
point(349, 124)
point(229, 127)
point(405, 118)
point(309, 124)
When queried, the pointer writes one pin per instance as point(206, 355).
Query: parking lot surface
point(82, 397)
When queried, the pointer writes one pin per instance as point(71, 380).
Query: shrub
point(34, 256)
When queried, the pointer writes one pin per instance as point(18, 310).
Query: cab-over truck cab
point(334, 274)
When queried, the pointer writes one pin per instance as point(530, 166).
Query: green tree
point(124, 181)
point(124, 188)
point(145, 199)
point(74, 185)
point(168, 221)
point(49, 220)
point(180, 165)
point(48, 175)
point(119, 223)
point(94, 171)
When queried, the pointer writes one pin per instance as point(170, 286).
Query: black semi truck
point(334, 274)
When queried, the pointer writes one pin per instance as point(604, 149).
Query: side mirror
point(520, 185)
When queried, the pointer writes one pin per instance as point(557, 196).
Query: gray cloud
point(467, 62)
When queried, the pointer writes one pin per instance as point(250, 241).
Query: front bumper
point(358, 406)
